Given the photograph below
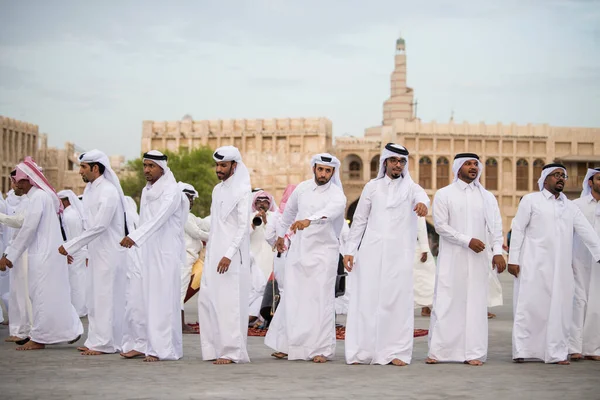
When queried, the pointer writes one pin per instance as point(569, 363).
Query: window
point(425, 172)
point(491, 174)
point(374, 166)
point(354, 170)
point(522, 174)
point(442, 172)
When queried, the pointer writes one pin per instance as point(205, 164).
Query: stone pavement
point(61, 373)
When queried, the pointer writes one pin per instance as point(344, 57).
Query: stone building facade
point(277, 151)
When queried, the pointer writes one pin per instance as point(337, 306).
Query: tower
point(400, 103)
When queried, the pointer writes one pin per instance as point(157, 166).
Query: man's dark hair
point(101, 167)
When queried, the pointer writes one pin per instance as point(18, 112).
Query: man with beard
point(585, 331)
point(308, 322)
point(223, 298)
point(540, 258)
point(54, 318)
point(467, 218)
point(380, 322)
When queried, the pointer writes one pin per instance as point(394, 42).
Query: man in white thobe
point(54, 317)
point(424, 270)
point(584, 340)
point(540, 258)
point(193, 246)
point(4, 275)
point(379, 329)
point(19, 312)
point(467, 218)
point(160, 237)
point(317, 207)
point(223, 298)
point(72, 224)
point(104, 209)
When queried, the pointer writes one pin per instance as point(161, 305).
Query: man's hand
point(514, 270)
point(421, 209)
point(87, 262)
point(5, 263)
point(127, 242)
point(62, 251)
point(280, 245)
point(300, 225)
point(70, 259)
point(476, 245)
point(423, 257)
point(348, 262)
point(499, 262)
point(223, 265)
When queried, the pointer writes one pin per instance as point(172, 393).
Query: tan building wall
point(19, 139)
point(277, 152)
point(61, 166)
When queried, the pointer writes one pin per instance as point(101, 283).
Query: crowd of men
point(66, 257)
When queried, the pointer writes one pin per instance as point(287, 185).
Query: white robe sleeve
point(586, 233)
point(13, 221)
point(192, 229)
point(291, 210)
point(519, 225)
point(271, 230)
point(497, 234)
point(107, 208)
point(204, 225)
point(441, 215)
point(243, 211)
point(420, 196)
point(333, 210)
point(30, 225)
point(422, 238)
point(359, 221)
point(170, 203)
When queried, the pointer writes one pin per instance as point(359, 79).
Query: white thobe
point(261, 250)
point(542, 245)
point(308, 320)
point(73, 227)
point(4, 275)
point(19, 312)
point(585, 330)
point(223, 298)
point(381, 312)
point(279, 258)
point(458, 328)
point(424, 272)
point(107, 265)
point(161, 240)
point(257, 288)
point(342, 302)
point(193, 246)
point(54, 317)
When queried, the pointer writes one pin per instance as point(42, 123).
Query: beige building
point(21, 139)
point(277, 151)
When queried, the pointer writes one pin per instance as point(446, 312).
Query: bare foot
point(425, 312)
point(319, 359)
point(475, 363)
point(82, 348)
point(186, 329)
point(92, 353)
point(279, 355)
point(576, 357)
point(222, 361)
point(491, 316)
point(12, 339)
point(519, 360)
point(151, 359)
point(397, 362)
point(564, 362)
point(356, 363)
point(5, 323)
point(132, 354)
point(31, 345)
point(592, 358)
point(430, 360)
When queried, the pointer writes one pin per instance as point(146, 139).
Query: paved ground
point(61, 373)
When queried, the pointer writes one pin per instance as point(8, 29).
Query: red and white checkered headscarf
point(29, 170)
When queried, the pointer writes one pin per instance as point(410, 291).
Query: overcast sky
point(91, 71)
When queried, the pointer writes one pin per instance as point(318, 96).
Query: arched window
point(354, 170)
point(491, 174)
point(522, 174)
point(537, 170)
point(374, 166)
point(442, 172)
point(425, 172)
